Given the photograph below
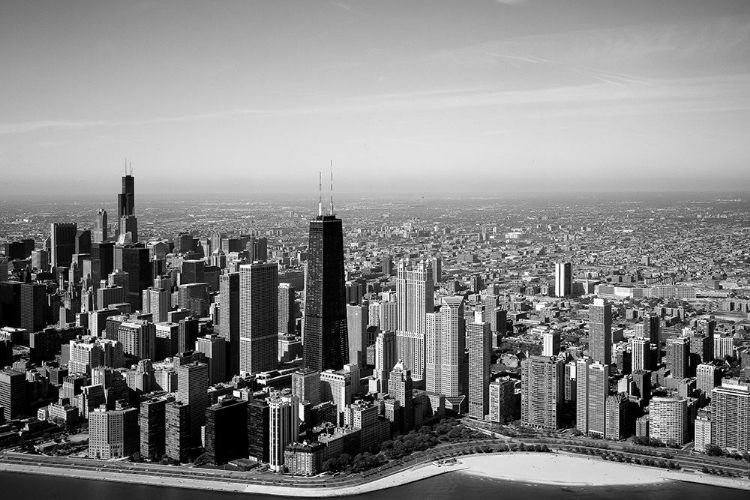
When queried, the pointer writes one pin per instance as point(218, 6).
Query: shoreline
point(556, 469)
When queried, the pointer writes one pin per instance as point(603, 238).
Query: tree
point(713, 450)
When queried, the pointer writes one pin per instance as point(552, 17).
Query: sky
point(403, 96)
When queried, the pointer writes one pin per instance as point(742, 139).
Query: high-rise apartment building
point(600, 331)
point(551, 343)
point(306, 385)
point(192, 389)
point(563, 279)
point(178, 430)
point(324, 327)
point(283, 427)
point(707, 377)
point(401, 388)
point(592, 385)
point(153, 428)
point(385, 357)
point(215, 349)
point(229, 324)
point(668, 420)
point(157, 302)
point(259, 317)
point(357, 319)
point(226, 431)
point(113, 433)
point(649, 329)
point(445, 345)
point(730, 417)
point(138, 338)
point(287, 309)
point(415, 292)
point(502, 396)
point(479, 340)
point(678, 357)
point(542, 391)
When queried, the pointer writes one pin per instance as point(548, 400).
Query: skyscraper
point(446, 370)
point(385, 357)
point(192, 389)
point(229, 326)
point(324, 328)
point(542, 391)
point(563, 279)
point(479, 338)
point(415, 291)
point(259, 317)
point(668, 420)
point(283, 427)
point(214, 347)
point(287, 309)
point(730, 417)
point(678, 356)
point(33, 305)
point(649, 329)
point(101, 229)
point(126, 207)
point(600, 331)
point(356, 324)
point(62, 243)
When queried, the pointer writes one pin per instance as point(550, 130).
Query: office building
point(415, 292)
point(126, 208)
point(33, 306)
point(649, 329)
point(324, 328)
point(259, 316)
point(62, 243)
point(194, 297)
point(551, 343)
point(188, 330)
point(101, 228)
point(134, 260)
point(12, 393)
point(157, 302)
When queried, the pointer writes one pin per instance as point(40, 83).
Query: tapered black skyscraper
point(126, 207)
point(325, 333)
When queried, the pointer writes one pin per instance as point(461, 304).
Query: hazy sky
point(409, 96)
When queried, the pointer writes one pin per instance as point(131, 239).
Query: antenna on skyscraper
point(131, 168)
point(126, 166)
point(331, 187)
point(320, 194)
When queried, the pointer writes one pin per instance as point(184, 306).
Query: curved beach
point(560, 469)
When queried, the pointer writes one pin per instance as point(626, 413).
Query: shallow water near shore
point(445, 487)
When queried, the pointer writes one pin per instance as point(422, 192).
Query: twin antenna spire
point(320, 192)
point(126, 167)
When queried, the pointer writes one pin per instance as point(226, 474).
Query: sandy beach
point(544, 468)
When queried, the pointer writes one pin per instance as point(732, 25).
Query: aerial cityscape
point(389, 319)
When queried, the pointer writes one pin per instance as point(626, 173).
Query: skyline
point(585, 96)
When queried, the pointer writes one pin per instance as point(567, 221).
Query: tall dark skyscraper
point(229, 324)
point(324, 331)
point(126, 206)
point(63, 243)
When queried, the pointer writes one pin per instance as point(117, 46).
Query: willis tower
point(325, 333)
point(125, 207)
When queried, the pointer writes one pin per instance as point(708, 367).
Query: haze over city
point(477, 97)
